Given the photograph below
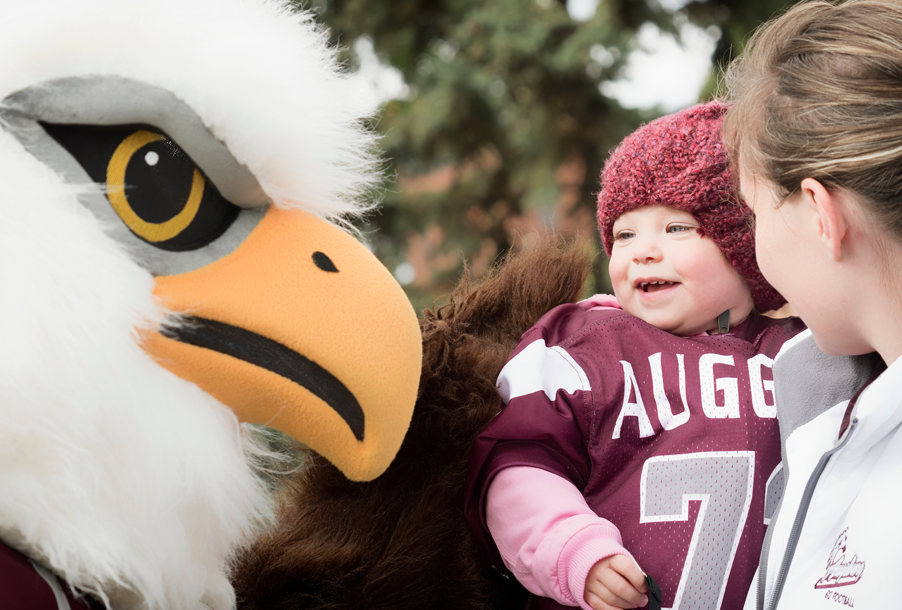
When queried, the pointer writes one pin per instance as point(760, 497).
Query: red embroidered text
point(841, 573)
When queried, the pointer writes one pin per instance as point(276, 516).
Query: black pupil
point(324, 262)
point(158, 179)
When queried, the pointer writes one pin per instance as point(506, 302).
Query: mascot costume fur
point(173, 261)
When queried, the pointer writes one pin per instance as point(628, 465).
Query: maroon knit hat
point(679, 161)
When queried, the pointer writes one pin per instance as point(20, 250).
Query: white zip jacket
point(836, 539)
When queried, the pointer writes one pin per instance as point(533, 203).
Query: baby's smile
point(656, 285)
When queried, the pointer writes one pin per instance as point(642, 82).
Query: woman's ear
point(829, 215)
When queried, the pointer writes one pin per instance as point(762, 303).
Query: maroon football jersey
point(25, 585)
point(672, 439)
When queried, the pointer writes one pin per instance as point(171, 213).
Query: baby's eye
point(622, 235)
point(680, 228)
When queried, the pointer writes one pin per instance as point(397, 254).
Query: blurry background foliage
point(503, 114)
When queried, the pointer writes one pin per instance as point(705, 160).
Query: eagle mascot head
point(176, 179)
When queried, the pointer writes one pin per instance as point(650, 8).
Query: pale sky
point(663, 70)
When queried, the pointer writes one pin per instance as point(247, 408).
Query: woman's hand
point(616, 582)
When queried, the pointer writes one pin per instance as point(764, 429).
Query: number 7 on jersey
point(722, 482)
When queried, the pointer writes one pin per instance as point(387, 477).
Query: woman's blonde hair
point(818, 94)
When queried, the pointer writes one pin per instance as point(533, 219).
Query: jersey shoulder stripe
point(538, 367)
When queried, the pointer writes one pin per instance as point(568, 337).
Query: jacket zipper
point(796, 530)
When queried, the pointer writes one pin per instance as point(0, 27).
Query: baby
point(641, 430)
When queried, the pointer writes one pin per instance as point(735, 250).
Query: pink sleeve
point(600, 302)
point(548, 536)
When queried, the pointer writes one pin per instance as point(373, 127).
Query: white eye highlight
point(151, 158)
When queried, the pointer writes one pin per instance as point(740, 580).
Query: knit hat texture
point(679, 160)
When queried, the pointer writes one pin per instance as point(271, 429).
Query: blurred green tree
point(503, 130)
point(736, 19)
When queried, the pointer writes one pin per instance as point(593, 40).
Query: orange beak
point(300, 328)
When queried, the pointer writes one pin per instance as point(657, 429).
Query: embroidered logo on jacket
point(841, 573)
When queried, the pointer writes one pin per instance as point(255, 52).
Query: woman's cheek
point(764, 252)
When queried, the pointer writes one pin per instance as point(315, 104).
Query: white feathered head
point(171, 177)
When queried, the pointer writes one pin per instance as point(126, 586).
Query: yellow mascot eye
point(117, 193)
point(152, 184)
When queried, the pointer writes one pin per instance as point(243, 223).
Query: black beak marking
point(273, 356)
point(324, 262)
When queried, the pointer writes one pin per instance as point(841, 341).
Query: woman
point(815, 128)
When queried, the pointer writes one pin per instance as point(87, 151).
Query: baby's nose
point(646, 250)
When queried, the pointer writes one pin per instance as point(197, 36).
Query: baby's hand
point(615, 582)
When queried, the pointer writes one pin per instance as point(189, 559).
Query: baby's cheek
point(619, 280)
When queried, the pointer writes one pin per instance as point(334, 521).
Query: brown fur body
point(401, 542)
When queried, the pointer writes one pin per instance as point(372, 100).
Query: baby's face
point(665, 273)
